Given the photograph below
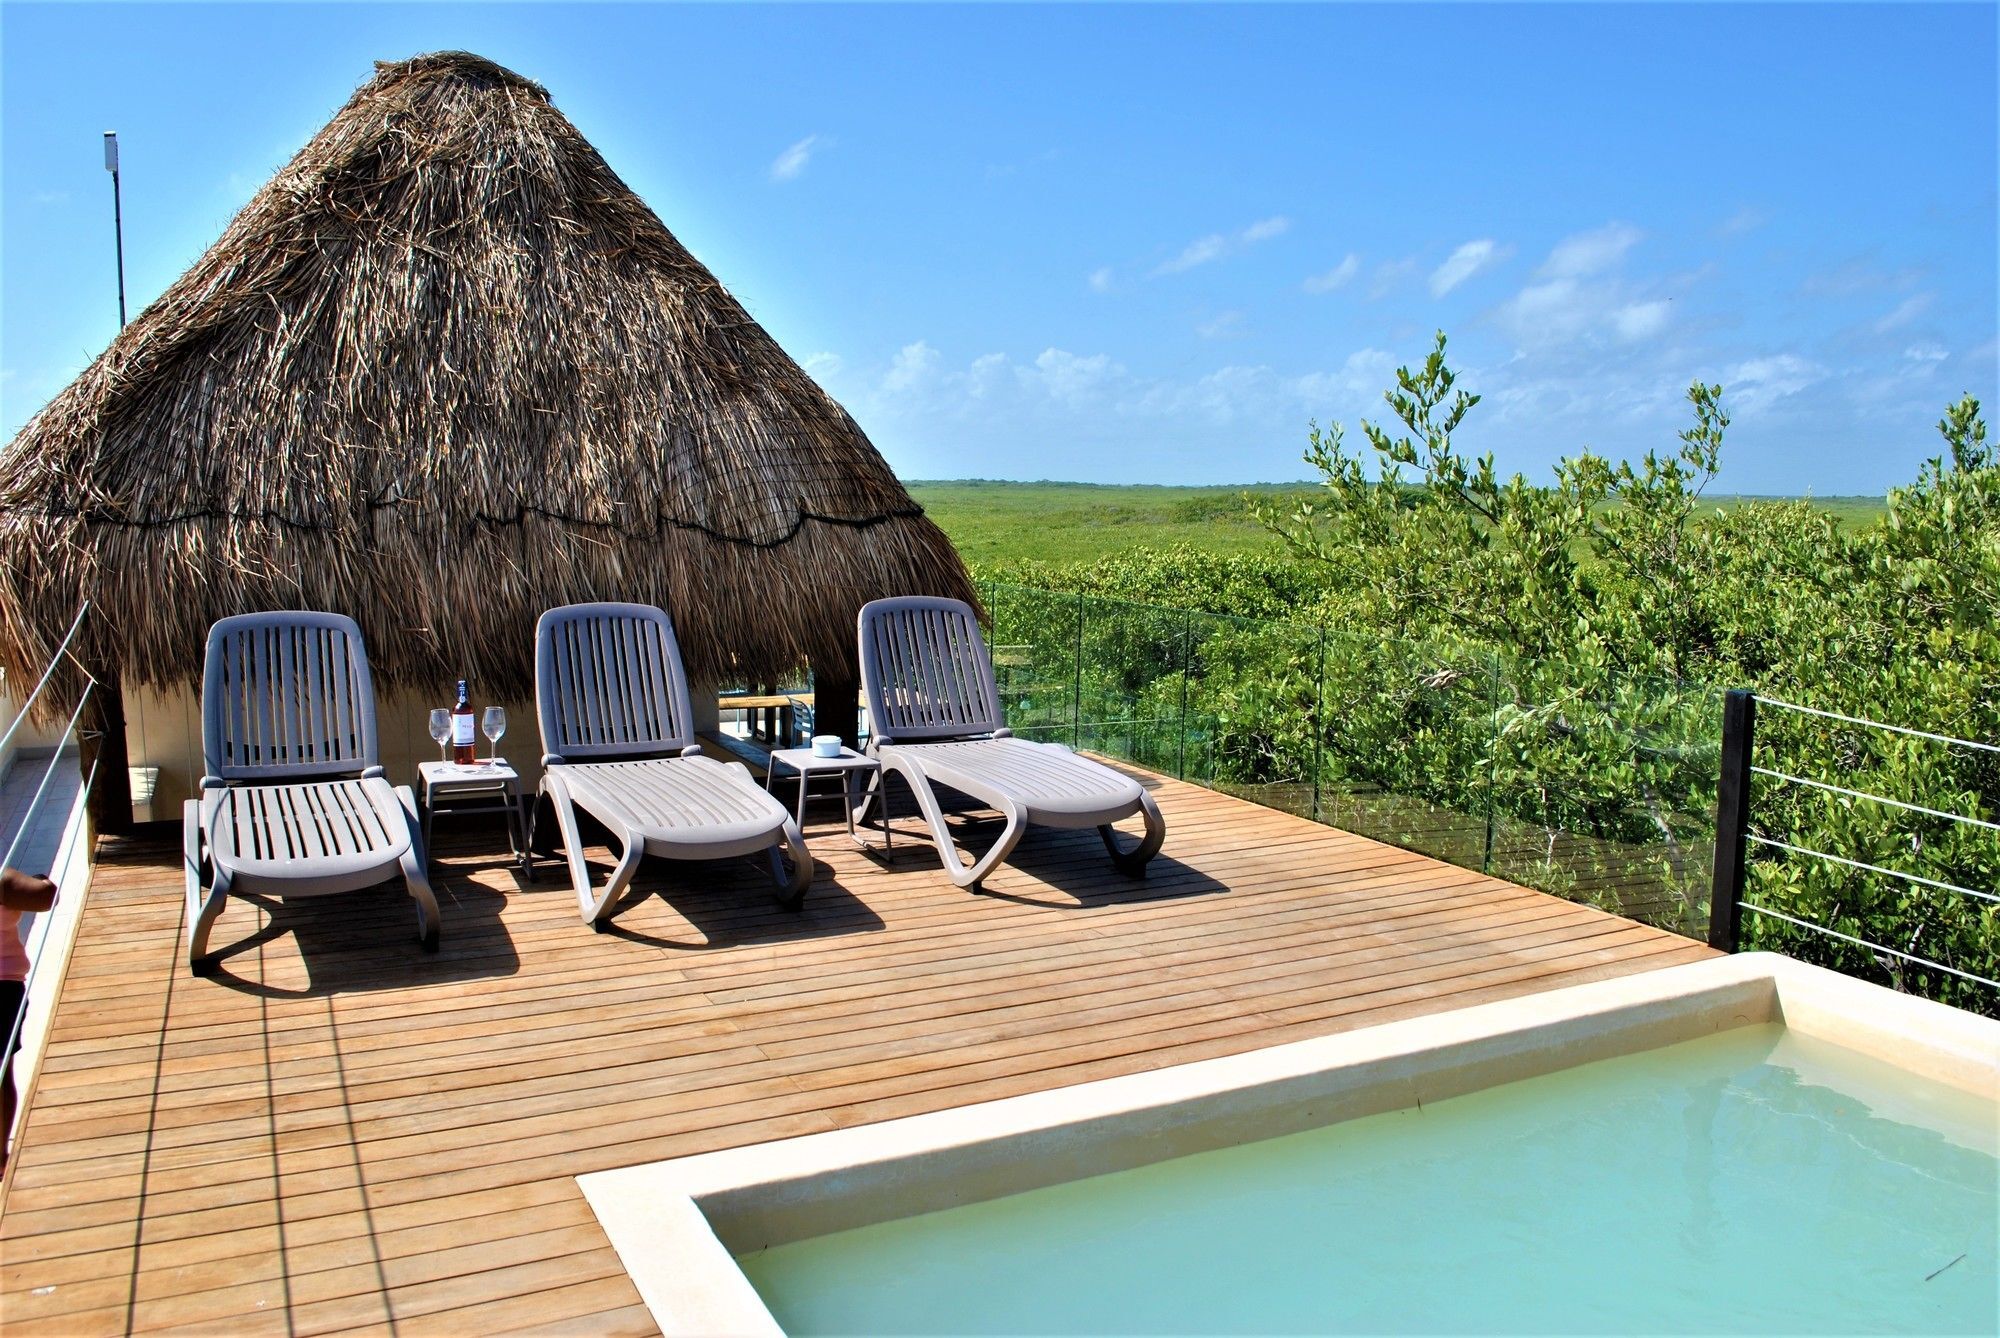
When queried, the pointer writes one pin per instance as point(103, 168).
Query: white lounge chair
point(934, 712)
point(618, 742)
point(294, 802)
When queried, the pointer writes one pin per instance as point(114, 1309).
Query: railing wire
point(1872, 947)
point(35, 693)
point(33, 807)
point(55, 876)
point(1877, 724)
point(1873, 868)
point(48, 774)
point(1877, 798)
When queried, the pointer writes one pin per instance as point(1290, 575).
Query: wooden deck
point(340, 1133)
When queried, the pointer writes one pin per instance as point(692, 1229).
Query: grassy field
point(1077, 522)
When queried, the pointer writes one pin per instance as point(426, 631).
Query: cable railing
point(60, 755)
point(1765, 867)
point(62, 652)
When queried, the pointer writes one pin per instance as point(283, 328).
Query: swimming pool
point(1682, 1151)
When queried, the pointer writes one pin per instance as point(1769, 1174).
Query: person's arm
point(25, 891)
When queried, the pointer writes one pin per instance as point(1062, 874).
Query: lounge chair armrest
point(692, 750)
point(370, 773)
point(552, 760)
point(214, 783)
point(1003, 733)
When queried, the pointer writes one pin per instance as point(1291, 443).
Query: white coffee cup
point(826, 745)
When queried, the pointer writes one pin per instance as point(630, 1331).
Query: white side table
point(483, 787)
point(850, 765)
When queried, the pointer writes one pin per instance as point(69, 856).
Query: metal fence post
point(1187, 667)
point(1076, 702)
point(1319, 722)
point(1732, 820)
point(1492, 762)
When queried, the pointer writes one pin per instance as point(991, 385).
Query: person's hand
point(25, 891)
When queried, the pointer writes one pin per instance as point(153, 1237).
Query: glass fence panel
point(1599, 789)
point(1407, 746)
point(1132, 688)
point(1253, 708)
point(1033, 637)
point(1603, 792)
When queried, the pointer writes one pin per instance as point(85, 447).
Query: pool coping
point(677, 1225)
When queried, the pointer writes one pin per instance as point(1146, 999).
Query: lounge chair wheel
point(600, 926)
point(206, 967)
point(429, 939)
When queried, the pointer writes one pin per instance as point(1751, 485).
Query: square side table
point(484, 787)
point(849, 766)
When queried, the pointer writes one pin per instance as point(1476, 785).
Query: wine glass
point(441, 729)
point(494, 724)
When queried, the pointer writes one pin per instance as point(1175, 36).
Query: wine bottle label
point(461, 730)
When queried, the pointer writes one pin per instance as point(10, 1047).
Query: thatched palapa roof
point(445, 371)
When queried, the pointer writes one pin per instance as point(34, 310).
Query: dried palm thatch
point(444, 371)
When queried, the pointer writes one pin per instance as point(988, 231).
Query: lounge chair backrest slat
point(287, 696)
point(925, 672)
point(609, 682)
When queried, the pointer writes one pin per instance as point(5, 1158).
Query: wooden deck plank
point(340, 1133)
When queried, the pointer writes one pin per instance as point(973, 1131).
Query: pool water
point(1754, 1181)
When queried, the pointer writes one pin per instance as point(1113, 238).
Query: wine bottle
point(462, 750)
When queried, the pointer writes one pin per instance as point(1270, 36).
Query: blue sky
point(1150, 243)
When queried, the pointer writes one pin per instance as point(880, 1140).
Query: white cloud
point(1552, 312)
point(1363, 377)
point(1072, 379)
point(913, 366)
point(1580, 293)
point(1925, 353)
point(1759, 383)
point(1217, 245)
point(1389, 276)
point(822, 365)
point(1069, 394)
point(1197, 252)
point(1854, 277)
point(1263, 230)
point(1906, 311)
point(1337, 277)
point(994, 171)
point(1583, 254)
point(1747, 219)
point(792, 161)
point(1223, 325)
point(1641, 320)
point(50, 197)
point(987, 375)
point(1100, 279)
point(1463, 263)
